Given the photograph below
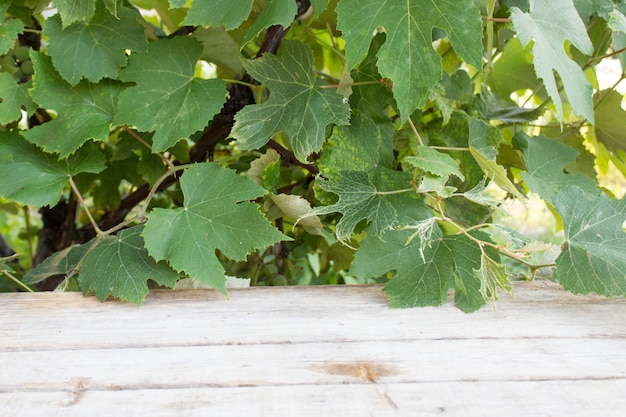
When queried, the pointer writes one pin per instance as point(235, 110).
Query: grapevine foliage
point(309, 142)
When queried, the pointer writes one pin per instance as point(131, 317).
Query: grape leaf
point(364, 145)
point(74, 10)
point(8, 33)
point(13, 97)
point(450, 262)
point(275, 12)
point(586, 8)
point(94, 49)
point(610, 120)
point(227, 13)
point(215, 215)
point(38, 178)
point(167, 98)
point(593, 258)
point(219, 48)
point(297, 104)
point(62, 262)
point(546, 160)
point(84, 111)
point(550, 24)
point(436, 163)
point(513, 71)
point(408, 57)
point(383, 197)
point(120, 266)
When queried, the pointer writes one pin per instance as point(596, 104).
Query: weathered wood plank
point(311, 351)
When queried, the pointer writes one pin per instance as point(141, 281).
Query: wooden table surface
point(311, 351)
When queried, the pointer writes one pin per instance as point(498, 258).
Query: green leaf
point(8, 34)
point(14, 97)
point(496, 172)
point(448, 262)
point(74, 10)
point(219, 48)
point(297, 104)
point(120, 266)
point(364, 145)
point(546, 160)
point(216, 215)
point(408, 57)
point(564, 25)
point(587, 8)
point(383, 197)
point(38, 178)
point(84, 111)
point(435, 162)
point(593, 258)
point(62, 262)
point(167, 99)
point(274, 12)
point(94, 49)
point(610, 120)
point(227, 13)
point(513, 71)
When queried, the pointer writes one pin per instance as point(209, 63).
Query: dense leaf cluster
point(308, 142)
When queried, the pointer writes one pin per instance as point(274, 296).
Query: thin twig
point(84, 205)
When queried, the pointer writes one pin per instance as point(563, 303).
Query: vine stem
point(414, 129)
point(17, 281)
point(84, 205)
point(481, 243)
point(146, 144)
point(142, 212)
point(249, 85)
point(406, 190)
point(351, 84)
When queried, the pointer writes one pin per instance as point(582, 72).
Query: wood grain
point(311, 351)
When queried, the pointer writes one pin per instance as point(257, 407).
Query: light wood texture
point(311, 351)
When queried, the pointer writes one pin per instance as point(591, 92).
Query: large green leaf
point(593, 257)
point(297, 104)
point(167, 99)
point(8, 34)
point(550, 24)
point(31, 176)
point(120, 266)
point(275, 12)
point(382, 196)
point(94, 49)
point(216, 215)
point(74, 10)
point(408, 57)
point(546, 160)
point(14, 98)
point(227, 13)
point(84, 111)
point(424, 272)
point(610, 120)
